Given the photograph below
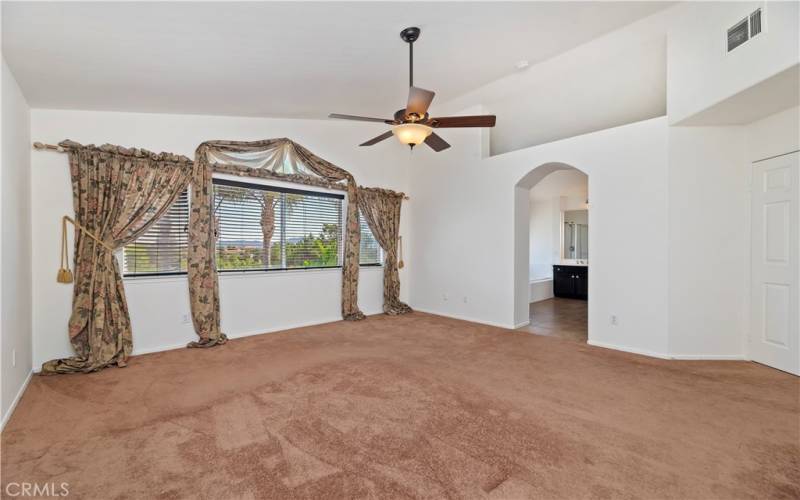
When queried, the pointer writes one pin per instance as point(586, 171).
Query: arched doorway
point(564, 248)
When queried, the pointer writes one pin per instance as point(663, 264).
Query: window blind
point(162, 248)
point(306, 227)
point(371, 253)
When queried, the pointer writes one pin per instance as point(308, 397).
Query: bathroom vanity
point(571, 281)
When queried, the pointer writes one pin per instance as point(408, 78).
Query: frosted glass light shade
point(411, 133)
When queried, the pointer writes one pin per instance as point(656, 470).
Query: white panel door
point(775, 301)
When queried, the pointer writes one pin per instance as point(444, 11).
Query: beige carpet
point(415, 406)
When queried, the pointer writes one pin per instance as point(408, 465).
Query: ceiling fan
point(413, 125)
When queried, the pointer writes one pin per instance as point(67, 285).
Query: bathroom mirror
point(575, 231)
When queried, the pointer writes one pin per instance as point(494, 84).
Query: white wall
point(15, 294)
point(543, 237)
point(678, 283)
point(774, 135)
point(673, 62)
point(709, 167)
point(685, 173)
point(702, 73)
point(467, 211)
point(709, 238)
point(578, 91)
point(709, 221)
point(253, 303)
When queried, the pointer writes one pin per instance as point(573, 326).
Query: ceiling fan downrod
point(410, 35)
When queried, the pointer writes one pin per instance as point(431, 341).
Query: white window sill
point(244, 274)
point(282, 272)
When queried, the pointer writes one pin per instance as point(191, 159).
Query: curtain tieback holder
point(400, 263)
point(64, 273)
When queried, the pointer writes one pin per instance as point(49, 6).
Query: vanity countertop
point(572, 264)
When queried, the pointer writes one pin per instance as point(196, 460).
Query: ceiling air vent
point(755, 23)
point(738, 35)
point(744, 30)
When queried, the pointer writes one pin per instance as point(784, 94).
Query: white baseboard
point(632, 350)
point(170, 347)
point(471, 320)
point(710, 357)
point(273, 329)
point(150, 350)
point(683, 357)
point(520, 325)
point(11, 408)
point(285, 327)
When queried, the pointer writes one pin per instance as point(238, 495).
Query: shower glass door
point(576, 235)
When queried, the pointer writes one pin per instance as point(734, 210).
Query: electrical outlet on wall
point(444, 297)
point(614, 319)
point(186, 318)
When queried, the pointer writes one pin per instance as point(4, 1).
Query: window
point(267, 227)
point(258, 228)
point(371, 253)
point(162, 248)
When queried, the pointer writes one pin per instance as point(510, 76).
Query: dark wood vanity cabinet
point(571, 282)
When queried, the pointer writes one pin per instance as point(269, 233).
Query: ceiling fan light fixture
point(411, 134)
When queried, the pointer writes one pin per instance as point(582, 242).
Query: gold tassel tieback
point(64, 273)
point(400, 263)
point(64, 276)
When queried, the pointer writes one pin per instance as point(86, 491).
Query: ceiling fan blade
point(463, 121)
point(360, 118)
point(378, 139)
point(436, 143)
point(418, 101)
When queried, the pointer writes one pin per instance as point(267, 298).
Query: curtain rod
point(39, 145)
point(53, 147)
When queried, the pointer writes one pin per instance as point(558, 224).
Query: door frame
point(750, 333)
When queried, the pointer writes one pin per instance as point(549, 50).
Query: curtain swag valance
point(268, 174)
point(118, 193)
point(280, 159)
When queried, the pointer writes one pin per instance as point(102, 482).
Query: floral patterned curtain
point(118, 194)
point(381, 210)
point(280, 159)
point(201, 256)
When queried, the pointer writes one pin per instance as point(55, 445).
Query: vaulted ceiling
point(282, 59)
